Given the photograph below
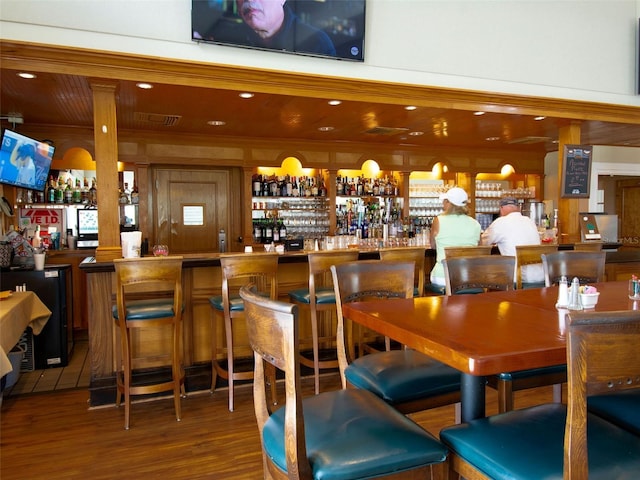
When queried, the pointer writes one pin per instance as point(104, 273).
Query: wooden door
point(630, 216)
point(191, 208)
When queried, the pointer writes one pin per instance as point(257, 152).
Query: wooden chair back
point(587, 266)
point(451, 252)
point(148, 278)
point(599, 346)
point(273, 333)
point(238, 269)
point(320, 267)
point(409, 254)
point(530, 255)
point(366, 280)
point(588, 246)
point(485, 273)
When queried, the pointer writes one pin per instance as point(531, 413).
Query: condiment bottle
point(563, 293)
point(574, 303)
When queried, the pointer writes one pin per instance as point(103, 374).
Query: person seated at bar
point(452, 228)
point(512, 229)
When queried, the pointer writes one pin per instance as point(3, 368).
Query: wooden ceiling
point(183, 104)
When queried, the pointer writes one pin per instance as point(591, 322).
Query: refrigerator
point(54, 345)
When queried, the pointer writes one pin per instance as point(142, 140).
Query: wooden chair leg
point(214, 350)
point(230, 370)
point(505, 396)
point(557, 393)
point(316, 350)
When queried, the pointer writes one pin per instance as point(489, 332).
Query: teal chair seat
point(621, 408)
point(146, 309)
point(532, 285)
point(324, 295)
point(347, 437)
point(235, 303)
point(529, 444)
point(400, 376)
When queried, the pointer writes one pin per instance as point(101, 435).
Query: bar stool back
point(587, 266)
point(409, 254)
point(237, 270)
point(530, 255)
point(320, 297)
point(148, 295)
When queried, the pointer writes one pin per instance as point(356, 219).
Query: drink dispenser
point(534, 210)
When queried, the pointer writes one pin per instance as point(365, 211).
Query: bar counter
point(201, 280)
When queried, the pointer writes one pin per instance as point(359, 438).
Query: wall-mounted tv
point(328, 28)
point(24, 162)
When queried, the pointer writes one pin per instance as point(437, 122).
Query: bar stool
point(148, 295)
point(527, 255)
point(587, 266)
point(320, 297)
point(237, 270)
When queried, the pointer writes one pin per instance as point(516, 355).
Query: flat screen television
point(330, 28)
point(24, 162)
point(87, 228)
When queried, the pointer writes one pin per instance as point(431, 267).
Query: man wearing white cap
point(452, 228)
point(511, 229)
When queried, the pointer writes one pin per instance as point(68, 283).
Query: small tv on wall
point(328, 28)
point(24, 162)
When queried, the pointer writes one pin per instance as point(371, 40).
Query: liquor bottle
point(283, 231)
point(289, 186)
point(268, 232)
point(59, 194)
point(276, 232)
point(76, 194)
point(295, 191)
point(51, 190)
point(93, 192)
point(339, 186)
point(314, 187)
point(257, 185)
point(135, 195)
point(323, 189)
point(84, 192)
point(257, 232)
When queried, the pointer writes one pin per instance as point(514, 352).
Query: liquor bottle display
point(288, 186)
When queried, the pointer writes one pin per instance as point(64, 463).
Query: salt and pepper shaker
point(563, 293)
point(574, 302)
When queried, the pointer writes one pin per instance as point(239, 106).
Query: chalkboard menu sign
point(576, 171)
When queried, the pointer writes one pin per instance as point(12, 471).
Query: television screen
point(330, 28)
point(24, 162)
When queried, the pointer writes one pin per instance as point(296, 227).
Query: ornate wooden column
point(106, 155)
point(568, 208)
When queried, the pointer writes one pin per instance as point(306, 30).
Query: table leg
point(472, 394)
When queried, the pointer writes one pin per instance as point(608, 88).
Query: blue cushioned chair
point(552, 440)
point(408, 380)
point(148, 295)
point(238, 269)
point(336, 435)
point(318, 298)
point(622, 408)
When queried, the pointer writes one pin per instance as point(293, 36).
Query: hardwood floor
point(55, 435)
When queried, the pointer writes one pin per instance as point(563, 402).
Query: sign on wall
point(576, 171)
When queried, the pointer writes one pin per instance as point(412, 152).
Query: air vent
point(157, 119)
point(529, 140)
point(388, 131)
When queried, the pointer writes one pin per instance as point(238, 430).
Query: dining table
point(19, 310)
point(483, 334)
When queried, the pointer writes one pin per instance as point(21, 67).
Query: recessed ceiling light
point(479, 113)
point(216, 123)
point(416, 134)
point(539, 118)
point(325, 129)
point(26, 75)
point(144, 86)
point(492, 139)
point(334, 102)
point(246, 95)
point(410, 107)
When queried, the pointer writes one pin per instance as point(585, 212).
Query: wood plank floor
point(55, 435)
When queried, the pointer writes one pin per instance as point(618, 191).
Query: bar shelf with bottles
point(289, 206)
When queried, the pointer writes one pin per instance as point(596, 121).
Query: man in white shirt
point(511, 229)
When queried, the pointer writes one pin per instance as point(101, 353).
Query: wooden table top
point(482, 334)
